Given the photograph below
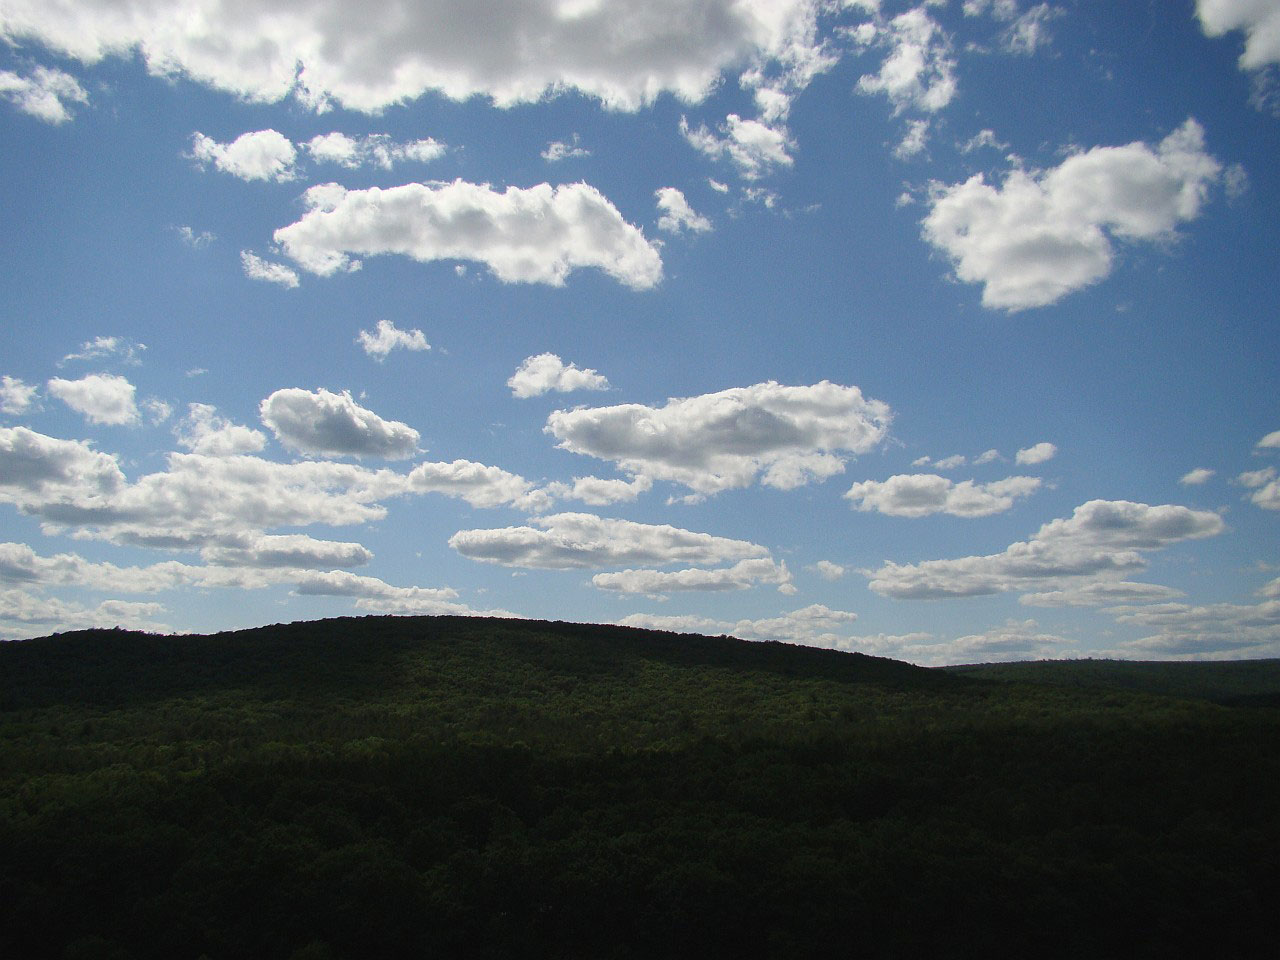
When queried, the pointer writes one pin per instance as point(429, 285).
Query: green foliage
point(440, 787)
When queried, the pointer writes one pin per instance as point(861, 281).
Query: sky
point(942, 331)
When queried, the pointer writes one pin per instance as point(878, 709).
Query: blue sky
point(942, 331)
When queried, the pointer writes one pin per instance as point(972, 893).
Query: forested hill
point(453, 787)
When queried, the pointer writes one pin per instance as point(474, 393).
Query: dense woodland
point(453, 787)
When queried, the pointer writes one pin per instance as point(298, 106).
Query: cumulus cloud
point(477, 484)
point(1102, 539)
point(1265, 486)
point(1270, 442)
point(195, 502)
point(36, 468)
point(16, 397)
point(546, 372)
point(534, 235)
point(755, 148)
point(202, 431)
point(1014, 640)
point(1259, 19)
point(919, 71)
point(100, 397)
point(44, 93)
point(1209, 630)
point(320, 422)
point(378, 596)
point(924, 494)
point(257, 268)
point(720, 441)
point(814, 625)
point(1037, 453)
point(578, 541)
point(599, 492)
point(828, 570)
point(1100, 594)
point(1043, 234)
point(743, 575)
point(23, 614)
point(677, 215)
point(1196, 477)
point(257, 155)
point(373, 55)
point(388, 337)
point(293, 551)
point(988, 456)
point(374, 150)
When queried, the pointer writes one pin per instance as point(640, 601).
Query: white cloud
point(197, 501)
point(23, 614)
point(1100, 594)
point(15, 396)
point(598, 492)
point(374, 149)
point(546, 372)
point(1259, 19)
point(255, 268)
point(814, 625)
point(743, 575)
point(677, 214)
point(717, 186)
point(44, 94)
point(534, 235)
point(202, 431)
point(1042, 235)
point(983, 139)
point(376, 54)
point(100, 397)
point(1256, 478)
point(35, 468)
point(321, 422)
point(919, 72)
point(1030, 31)
point(951, 462)
point(1216, 629)
point(558, 150)
point(1015, 640)
point(828, 570)
point(755, 148)
point(577, 540)
point(1102, 539)
point(100, 348)
point(478, 484)
point(1270, 442)
point(913, 143)
point(719, 441)
point(988, 456)
point(924, 494)
point(1196, 477)
point(1267, 495)
point(378, 596)
point(1037, 453)
point(195, 241)
point(388, 337)
point(290, 551)
point(257, 155)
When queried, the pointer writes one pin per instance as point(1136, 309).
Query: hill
point(453, 787)
point(1231, 682)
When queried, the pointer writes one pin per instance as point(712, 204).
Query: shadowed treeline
point(415, 787)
